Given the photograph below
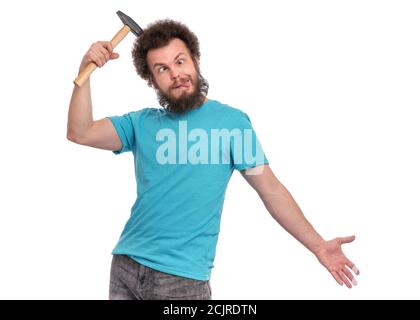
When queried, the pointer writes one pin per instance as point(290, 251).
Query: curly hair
point(158, 35)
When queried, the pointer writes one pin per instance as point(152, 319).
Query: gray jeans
point(133, 281)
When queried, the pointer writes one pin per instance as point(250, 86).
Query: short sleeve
point(246, 149)
point(125, 129)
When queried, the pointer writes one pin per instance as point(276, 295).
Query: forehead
point(167, 53)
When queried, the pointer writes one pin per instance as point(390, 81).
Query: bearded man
point(184, 155)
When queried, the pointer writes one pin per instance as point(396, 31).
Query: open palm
point(333, 259)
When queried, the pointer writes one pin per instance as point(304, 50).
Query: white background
point(331, 87)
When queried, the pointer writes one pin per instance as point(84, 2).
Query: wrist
point(319, 247)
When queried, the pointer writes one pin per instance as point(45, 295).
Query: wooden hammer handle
point(86, 72)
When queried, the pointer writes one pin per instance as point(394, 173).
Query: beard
point(187, 101)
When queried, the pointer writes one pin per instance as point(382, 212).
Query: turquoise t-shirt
point(183, 163)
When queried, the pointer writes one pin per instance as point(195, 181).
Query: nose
point(174, 74)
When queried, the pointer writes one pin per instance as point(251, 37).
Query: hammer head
point(134, 27)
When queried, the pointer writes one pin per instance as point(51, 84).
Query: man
point(184, 156)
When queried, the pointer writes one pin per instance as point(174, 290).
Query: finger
point(108, 46)
point(114, 55)
point(337, 278)
point(352, 266)
point(104, 44)
point(92, 56)
point(355, 270)
point(99, 47)
point(346, 239)
point(344, 279)
point(103, 55)
point(350, 276)
point(99, 56)
point(104, 51)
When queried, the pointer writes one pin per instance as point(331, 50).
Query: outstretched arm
point(284, 209)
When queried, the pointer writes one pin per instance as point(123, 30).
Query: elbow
point(78, 134)
point(74, 137)
point(70, 136)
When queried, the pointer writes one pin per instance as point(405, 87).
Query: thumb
point(346, 239)
point(114, 55)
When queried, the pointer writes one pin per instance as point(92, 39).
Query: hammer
point(129, 25)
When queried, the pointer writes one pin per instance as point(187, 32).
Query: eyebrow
point(158, 64)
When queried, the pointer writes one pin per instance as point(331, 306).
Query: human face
point(173, 70)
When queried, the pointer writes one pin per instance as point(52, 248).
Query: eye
point(161, 69)
point(180, 61)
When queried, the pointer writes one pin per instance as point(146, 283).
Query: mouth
point(183, 85)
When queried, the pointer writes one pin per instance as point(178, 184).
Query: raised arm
point(81, 128)
point(284, 209)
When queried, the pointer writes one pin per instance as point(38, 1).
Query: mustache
point(181, 81)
